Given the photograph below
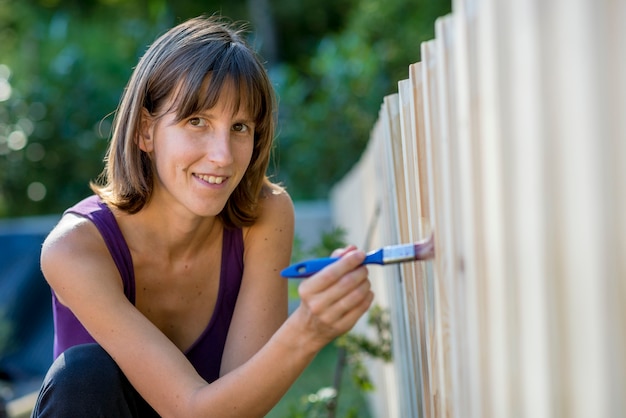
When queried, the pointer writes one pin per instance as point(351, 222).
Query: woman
point(166, 290)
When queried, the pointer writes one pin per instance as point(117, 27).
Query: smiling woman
point(167, 80)
point(166, 288)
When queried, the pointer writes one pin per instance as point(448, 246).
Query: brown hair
point(177, 66)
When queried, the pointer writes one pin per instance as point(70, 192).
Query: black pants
point(85, 382)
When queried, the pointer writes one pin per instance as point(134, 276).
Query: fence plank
point(413, 273)
point(615, 15)
point(392, 106)
point(496, 344)
point(528, 197)
point(437, 172)
point(471, 322)
point(575, 107)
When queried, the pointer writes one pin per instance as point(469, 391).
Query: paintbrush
point(391, 254)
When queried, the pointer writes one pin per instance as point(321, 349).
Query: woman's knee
point(81, 378)
point(86, 366)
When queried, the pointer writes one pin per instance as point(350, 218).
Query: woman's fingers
point(347, 321)
point(338, 295)
point(339, 317)
point(341, 251)
point(348, 299)
point(330, 274)
point(347, 288)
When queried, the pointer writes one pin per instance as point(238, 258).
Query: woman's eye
point(240, 127)
point(197, 121)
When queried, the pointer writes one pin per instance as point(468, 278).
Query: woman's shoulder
point(276, 210)
point(275, 202)
point(74, 237)
point(81, 227)
point(71, 228)
point(75, 254)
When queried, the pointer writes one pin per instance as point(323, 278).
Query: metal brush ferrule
point(398, 253)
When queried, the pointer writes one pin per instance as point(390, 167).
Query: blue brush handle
point(307, 268)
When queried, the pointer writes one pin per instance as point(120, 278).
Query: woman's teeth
point(211, 179)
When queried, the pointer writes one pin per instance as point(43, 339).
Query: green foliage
point(65, 74)
point(309, 395)
point(330, 103)
point(301, 24)
point(351, 351)
point(359, 346)
point(329, 241)
point(314, 405)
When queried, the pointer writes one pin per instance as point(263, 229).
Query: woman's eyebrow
point(243, 116)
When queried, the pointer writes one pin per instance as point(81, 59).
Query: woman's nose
point(219, 148)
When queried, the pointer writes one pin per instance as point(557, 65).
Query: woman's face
point(200, 160)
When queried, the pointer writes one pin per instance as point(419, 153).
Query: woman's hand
point(333, 299)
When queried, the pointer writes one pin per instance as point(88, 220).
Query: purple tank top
point(206, 352)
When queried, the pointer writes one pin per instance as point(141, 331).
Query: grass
point(320, 374)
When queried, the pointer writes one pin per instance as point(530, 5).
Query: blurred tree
point(330, 103)
point(65, 73)
point(64, 63)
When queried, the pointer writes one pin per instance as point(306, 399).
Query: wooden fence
point(508, 140)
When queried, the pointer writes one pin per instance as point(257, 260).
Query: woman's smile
point(211, 179)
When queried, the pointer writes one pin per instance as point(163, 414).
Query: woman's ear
point(144, 136)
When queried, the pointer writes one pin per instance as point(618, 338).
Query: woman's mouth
point(210, 178)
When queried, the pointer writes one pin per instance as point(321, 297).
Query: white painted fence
point(508, 140)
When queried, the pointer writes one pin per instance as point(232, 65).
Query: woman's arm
point(75, 262)
point(262, 303)
point(331, 303)
point(78, 267)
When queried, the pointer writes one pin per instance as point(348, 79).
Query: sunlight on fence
point(508, 140)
